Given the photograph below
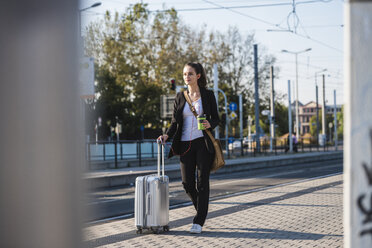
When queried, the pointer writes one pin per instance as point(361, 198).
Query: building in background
point(307, 111)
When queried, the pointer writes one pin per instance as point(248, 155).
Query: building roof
point(299, 104)
point(311, 104)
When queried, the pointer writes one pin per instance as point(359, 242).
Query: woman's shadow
point(251, 233)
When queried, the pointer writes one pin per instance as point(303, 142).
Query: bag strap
point(188, 100)
point(190, 104)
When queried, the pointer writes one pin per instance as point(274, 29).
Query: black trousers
point(199, 160)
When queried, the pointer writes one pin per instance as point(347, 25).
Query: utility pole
point(357, 176)
point(241, 115)
point(272, 109)
point(323, 114)
point(249, 132)
point(317, 105)
point(297, 108)
point(335, 119)
point(215, 89)
point(317, 115)
point(290, 118)
point(226, 123)
point(249, 125)
point(256, 99)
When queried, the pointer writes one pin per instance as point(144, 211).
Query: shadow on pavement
point(276, 204)
point(252, 233)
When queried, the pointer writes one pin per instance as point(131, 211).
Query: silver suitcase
point(151, 206)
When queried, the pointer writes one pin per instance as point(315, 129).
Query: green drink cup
point(200, 119)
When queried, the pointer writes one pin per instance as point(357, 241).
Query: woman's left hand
point(206, 124)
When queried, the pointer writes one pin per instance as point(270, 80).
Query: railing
point(280, 146)
point(147, 149)
point(124, 150)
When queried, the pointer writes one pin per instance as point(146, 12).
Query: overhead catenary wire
point(326, 26)
point(303, 28)
point(228, 7)
point(277, 26)
point(332, 70)
point(237, 12)
point(231, 8)
point(305, 81)
point(257, 19)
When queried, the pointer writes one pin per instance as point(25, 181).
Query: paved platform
point(306, 213)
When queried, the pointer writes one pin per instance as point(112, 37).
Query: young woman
point(194, 146)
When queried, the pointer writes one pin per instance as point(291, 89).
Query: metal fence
point(242, 147)
point(147, 149)
point(123, 149)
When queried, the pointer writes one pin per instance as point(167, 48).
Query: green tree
point(281, 119)
point(340, 124)
point(129, 91)
point(138, 52)
point(109, 102)
point(329, 118)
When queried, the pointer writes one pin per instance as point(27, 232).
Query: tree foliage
point(329, 119)
point(138, 52)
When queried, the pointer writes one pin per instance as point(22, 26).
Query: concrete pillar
point(41, 144)
point(358, 125)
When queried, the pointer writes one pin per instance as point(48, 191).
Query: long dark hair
point(202, 81)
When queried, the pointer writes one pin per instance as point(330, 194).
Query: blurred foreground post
point(358, 125)
point(41, 146)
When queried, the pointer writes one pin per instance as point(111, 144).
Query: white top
point(190, 125)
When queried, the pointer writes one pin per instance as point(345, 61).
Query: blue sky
point(320, 20)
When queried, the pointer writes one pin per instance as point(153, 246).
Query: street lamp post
point(317, 109)
point(297, 110)
point(84, 9)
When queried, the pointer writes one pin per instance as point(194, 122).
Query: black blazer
point(209, 109)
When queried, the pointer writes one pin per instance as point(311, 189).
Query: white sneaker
point(196, 228)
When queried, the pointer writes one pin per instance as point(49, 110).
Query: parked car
point(236, 144)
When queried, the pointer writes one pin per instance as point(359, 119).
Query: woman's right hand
point(162, 138)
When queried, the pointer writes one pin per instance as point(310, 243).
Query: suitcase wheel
point(166, 228)
point(139, 231)
point(155, 230)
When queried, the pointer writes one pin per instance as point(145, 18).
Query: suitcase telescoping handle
point(161, 146)
point(148, 199)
